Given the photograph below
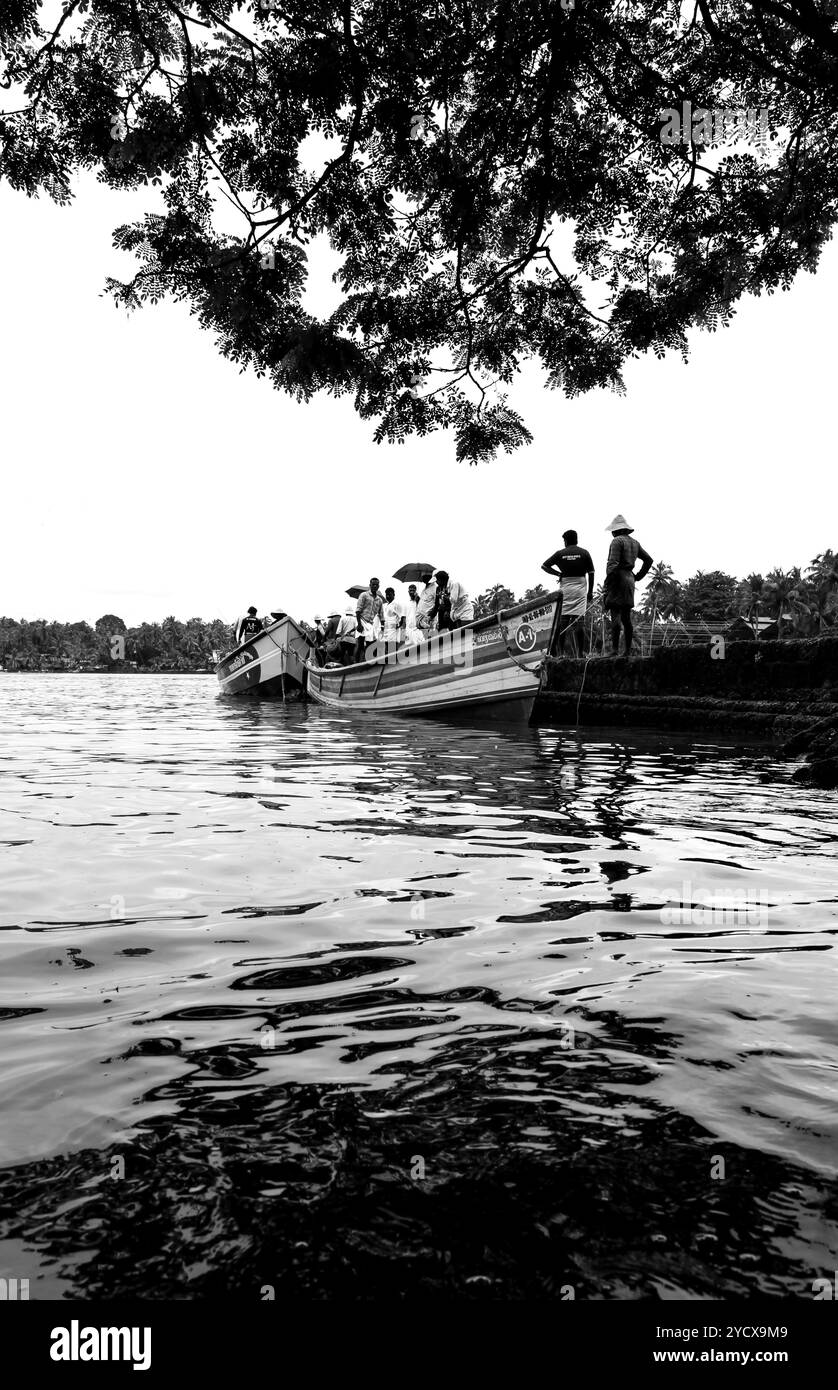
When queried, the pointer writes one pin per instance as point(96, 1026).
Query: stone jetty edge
point(783, 690)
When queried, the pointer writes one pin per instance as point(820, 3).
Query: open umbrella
point(408, 573)
point(355, 589)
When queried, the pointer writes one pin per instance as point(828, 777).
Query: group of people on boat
point(437, 603)
point(574, 568)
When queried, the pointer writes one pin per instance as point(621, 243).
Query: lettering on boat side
point(526, 633)
point(241, 660)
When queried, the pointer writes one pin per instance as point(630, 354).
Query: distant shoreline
point(105, 671)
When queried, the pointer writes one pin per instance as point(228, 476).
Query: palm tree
point(673, 604)
point(749, 595)
point(493, 600)
point(659, 580)
point(172, 636)
point(802, 604)
point(194, 642)
point(782, 592)
point(822, 575)
point(596, 609)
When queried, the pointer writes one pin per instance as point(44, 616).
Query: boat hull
point(270, 664)
point(490, 669)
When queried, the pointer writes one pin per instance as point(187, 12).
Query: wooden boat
point(273, 662)
point(491, 668)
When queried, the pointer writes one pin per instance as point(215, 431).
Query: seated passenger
point(331, 644)
point(319, 635)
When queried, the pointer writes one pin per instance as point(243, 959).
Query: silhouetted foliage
point(493, 600)
point(494, 178)
point(709, 596)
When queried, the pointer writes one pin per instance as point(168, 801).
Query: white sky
point(144, 476)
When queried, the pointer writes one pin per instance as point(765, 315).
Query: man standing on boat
point(425, 606)
point(411, 628)
point(620, 580)
point(346, 637)
point(247, 627)
point(574, 568)
point(394, 621)
point(319, 635)
point(369, 611)
point(452, 606)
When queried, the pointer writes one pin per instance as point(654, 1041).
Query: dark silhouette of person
point(247, 627)
point(620, 579)
point(575, 570)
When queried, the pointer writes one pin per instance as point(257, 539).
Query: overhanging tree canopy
point(491, 174)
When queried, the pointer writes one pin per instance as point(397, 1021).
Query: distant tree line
point(168, 646)
point(801, 603)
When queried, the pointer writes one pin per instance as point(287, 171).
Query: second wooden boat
point(270, 663)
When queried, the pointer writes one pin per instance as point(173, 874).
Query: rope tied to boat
point(537, 671)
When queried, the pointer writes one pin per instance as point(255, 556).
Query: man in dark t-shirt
point(574, 568)
point(247, 627)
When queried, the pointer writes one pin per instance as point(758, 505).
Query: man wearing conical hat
point(347, 636)
point(620, 579)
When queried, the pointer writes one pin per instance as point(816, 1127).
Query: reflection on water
point(353, 1007)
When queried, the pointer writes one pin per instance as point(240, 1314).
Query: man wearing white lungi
point(411, 632)
point(369, 612)
point(394, 621)
point(574, 568)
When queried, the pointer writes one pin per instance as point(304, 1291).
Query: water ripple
point(369, 1006)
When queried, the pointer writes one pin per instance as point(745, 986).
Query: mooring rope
point(505, 635)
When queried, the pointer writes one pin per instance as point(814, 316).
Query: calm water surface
point(370, 1007)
